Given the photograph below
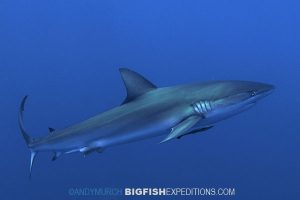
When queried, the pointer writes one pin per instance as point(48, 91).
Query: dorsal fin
point(51, 130)
point(136, 85)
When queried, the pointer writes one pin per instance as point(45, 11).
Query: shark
point(149, 111)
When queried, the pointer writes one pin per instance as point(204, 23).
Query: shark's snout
point(267, 87)
point(264, 90)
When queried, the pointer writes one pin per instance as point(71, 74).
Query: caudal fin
point(26, 137)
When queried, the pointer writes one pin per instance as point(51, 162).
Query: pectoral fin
point(196, 131)
point(182, 128)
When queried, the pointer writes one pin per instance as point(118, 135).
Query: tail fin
point(26, 137)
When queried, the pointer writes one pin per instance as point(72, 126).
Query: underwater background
point(65, 55)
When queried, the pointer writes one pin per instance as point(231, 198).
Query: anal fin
point(56, 155)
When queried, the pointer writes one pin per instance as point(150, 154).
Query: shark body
point(149, 111)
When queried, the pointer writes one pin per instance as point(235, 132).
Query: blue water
point(66, 55)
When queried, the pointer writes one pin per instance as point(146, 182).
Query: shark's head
point(227, 98)
point(242, 93)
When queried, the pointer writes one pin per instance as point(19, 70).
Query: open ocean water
point(65, 55)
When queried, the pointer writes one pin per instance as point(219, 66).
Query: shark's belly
point(123, 130)
point(139, 126)
point(133, 131)
point(103, 132)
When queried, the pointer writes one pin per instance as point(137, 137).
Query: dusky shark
point(149, 111)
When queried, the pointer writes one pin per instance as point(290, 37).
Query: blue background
point(65, 55)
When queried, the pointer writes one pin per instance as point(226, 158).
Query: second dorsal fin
point(136, 85)
point(51, 130)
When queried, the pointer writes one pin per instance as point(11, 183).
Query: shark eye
point(252, 93)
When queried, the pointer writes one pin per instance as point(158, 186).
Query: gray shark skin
point(149, 111)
